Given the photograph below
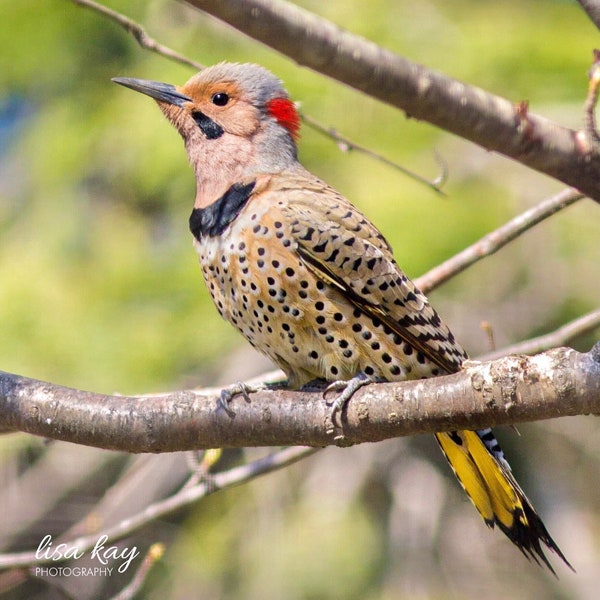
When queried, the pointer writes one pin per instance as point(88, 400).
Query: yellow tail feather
point(496, 495)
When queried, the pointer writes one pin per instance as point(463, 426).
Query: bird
point(309, 281)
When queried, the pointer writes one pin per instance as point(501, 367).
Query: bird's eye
point(220, 99)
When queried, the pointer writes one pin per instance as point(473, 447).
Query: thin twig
point(186, 496)
point(152, 556)
point(138, 32)
point(345, 144)
point(559, 337)
point(493, 241)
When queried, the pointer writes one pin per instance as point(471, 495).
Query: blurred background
point(100, 290)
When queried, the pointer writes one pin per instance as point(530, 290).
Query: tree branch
point(493, 241)
point(513, 389)
point(139, 33)
point(345, 144)
point(470, 112)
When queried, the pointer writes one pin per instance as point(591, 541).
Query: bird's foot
point(237, 389)
point(347, 388)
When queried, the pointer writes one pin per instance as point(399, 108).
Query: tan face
point(215, 107)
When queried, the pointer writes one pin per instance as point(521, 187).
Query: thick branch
point(470, 112)
point(514, 389)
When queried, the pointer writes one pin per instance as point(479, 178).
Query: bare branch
point(559, 337)
point(510, 390)
point(185, 496)
point(138, 32)
point(492, 242)
point(470, 112)
point(346, 144)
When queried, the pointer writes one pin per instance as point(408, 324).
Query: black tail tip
point(529, 533)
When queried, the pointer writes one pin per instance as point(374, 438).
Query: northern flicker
point(308, 280)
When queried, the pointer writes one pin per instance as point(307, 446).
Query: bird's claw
point(347, 388)
point(237, 389)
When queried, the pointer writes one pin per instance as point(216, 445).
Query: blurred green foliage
point(100, 287)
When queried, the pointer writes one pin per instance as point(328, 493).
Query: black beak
point(164, 92)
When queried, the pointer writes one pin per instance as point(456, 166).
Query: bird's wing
point(343, 249)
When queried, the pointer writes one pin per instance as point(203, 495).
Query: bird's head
point(238, 115)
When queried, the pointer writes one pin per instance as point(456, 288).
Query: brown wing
point(342, 248)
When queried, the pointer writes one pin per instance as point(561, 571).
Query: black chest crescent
point(213, 220)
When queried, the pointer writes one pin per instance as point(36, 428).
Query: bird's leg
point(347, 389)
point(237, 389)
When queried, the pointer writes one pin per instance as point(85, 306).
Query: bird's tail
point(479, 465)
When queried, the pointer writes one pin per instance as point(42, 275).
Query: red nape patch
point(285, 112)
